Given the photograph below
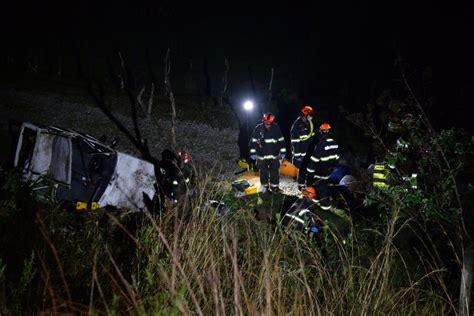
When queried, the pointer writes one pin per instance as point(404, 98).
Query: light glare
point(248, 106)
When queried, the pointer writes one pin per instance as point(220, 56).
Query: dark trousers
point(301, 178)
point(324, 197)
point(269, 172)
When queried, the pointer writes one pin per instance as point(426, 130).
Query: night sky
point(317, 48)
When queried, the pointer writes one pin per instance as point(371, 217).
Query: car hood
point(132, 179)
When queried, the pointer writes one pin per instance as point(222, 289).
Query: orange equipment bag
point(288, 169)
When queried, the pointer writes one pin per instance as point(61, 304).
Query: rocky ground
point(209, 147)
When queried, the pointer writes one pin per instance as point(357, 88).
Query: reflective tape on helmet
point(175, 182)
point(314, 159)
point(281, 139)
point(310, 170)
point(294, 140)
point(254, 140)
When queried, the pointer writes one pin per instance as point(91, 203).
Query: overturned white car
point(66, 165)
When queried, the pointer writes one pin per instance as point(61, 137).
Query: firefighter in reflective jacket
point(267, 146)
point(380, 174)
point(301, 214)
point(302, 134)
point(323, 161)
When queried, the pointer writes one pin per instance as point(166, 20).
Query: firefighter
point(302, 134)
point(323, 161)
point(301, 215)
point(187, 169)
point(267, 146)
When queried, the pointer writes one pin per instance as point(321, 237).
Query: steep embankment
point(208, 146)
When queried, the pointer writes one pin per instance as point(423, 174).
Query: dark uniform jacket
point(267, 144)
point(301, 214)
point(302, 133)
point(324, 159)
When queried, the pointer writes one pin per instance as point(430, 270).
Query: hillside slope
point(209, 147)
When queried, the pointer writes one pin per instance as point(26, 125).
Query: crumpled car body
point(67, 165)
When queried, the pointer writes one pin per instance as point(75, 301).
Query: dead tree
point(150, 100)
point(31, 65)
point(270, 84)
point(146, 108)
point(252, 82)
point(169, 92)
point(224, 82)
point(207, 77)
point(120, 74)
point(153, 81)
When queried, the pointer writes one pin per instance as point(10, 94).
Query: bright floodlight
point(248, 105)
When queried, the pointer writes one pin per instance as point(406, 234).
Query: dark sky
point(324, 46)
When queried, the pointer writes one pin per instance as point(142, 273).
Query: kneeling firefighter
point(323, 162)
point(301, 215)
point(267, 147)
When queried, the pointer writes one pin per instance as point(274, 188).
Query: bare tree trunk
point(224, 81)
point(270, 85)
point(150, 100)
point(60, 70)
point(169, 92)
point(466, 281)
point(207, 76)
point(122, 65)
point(140, 101)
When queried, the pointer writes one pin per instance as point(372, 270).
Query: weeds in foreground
point(192, 261)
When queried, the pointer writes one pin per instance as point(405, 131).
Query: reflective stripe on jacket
point(267, 144)
point(302, 134)
point(380, 176)
point(324, 158)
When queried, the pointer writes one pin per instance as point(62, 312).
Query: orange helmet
point(186, 158)
point(310, 192)
point(307, 110)
point(325, 128)
point(268, 118)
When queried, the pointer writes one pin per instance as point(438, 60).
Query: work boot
point(263, 189)
point(276, 190)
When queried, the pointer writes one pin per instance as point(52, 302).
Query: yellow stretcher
point(248, 182)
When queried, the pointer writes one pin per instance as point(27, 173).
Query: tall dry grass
point(191, 261)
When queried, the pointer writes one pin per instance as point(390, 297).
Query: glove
point(253, 157)
point(282, 156)
point(301, 187)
